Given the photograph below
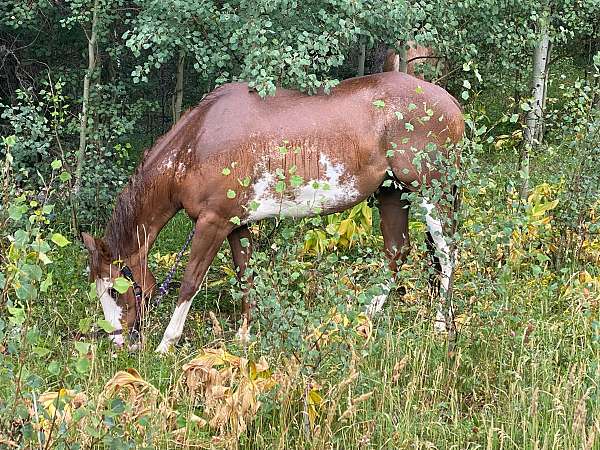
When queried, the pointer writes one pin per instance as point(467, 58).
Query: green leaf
point(105, 325)
point(44, 285)
point(226, 171)
point(54, 368)
point(296, 180)
point(236, 220)
point(56, 164)
point(64, 177)
point(231, 194)
point(409, 126)
point(40, 351)
point(82, 365)
point(245, 242)
point(60, 240)
point(379, 104)
point(15, 212)
point(17, 315)
point(245, 182)
point(254, 205)
point(525, 106)
point(280, 186)
point(465, 95)
point(399, 115)
point(92, 291)
point(44, 258)
point(82, 347)
point(412, 106)
point(466, 84)
point(85, 324)
point(419, 90)
point(389, 153)
point(121, 284)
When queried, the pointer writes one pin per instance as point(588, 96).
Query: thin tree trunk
point(178, 99)
point(402, 58)
point(542, 125)
point(83, 135)
point(535, 115)
point(362, 53)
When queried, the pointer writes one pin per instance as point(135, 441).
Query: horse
point(415, 55)
point(237, 158)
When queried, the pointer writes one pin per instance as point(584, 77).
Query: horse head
point(121, 310)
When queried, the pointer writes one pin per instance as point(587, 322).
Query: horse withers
point(237, 158)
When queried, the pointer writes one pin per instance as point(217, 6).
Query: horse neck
point(141, 211)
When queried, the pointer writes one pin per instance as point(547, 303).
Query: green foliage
point(527, 288)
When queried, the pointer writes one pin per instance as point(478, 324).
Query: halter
point(138, 293)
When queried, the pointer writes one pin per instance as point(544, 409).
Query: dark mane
point(120, 234)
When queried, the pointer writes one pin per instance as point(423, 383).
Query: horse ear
point(89, 242)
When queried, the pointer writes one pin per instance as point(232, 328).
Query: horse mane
point(120, 232)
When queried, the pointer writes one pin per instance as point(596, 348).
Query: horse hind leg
point(211, 231)
point(443, 261)
point(241, 252)
point(393, 213)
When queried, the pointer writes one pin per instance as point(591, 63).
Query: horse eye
point(113, 293)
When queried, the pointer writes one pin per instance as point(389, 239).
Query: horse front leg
point(241, 252)
point(211, 231)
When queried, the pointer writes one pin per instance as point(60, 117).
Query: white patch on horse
point(112, 311)
point(180, 170)
point(175, 327)
point(168, 164)
point(378, 301)
point(311, 198)
point(436, 230)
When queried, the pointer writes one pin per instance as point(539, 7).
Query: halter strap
point(137, 291)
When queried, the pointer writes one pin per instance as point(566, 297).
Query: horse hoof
point(163, 348)
point(135, 347)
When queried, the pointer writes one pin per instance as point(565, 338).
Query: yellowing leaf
point(60, 240)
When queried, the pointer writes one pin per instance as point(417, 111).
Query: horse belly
point(335, 190)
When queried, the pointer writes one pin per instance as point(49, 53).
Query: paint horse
point(237, 158)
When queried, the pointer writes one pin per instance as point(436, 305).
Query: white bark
point(533, 131)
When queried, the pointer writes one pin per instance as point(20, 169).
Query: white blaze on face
point(112, 311)
point(332, 190)
point(435, 229)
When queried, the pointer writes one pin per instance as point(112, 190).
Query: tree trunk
point(178, 98)
point(532, 133)
point(362, 53)
point(402, 58)
point(83, 135)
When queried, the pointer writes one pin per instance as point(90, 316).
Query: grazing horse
point(237, 158)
